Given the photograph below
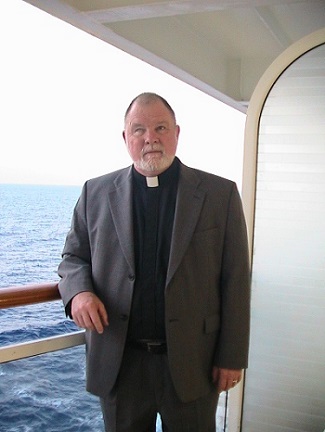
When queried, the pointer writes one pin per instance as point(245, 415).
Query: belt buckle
point(152, 345)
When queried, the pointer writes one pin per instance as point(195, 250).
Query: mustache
point(152, 147)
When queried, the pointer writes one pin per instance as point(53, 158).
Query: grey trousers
point(144, 389)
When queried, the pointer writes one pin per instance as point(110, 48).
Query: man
point(156, 269)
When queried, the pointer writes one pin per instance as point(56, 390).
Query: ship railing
point(31, 294)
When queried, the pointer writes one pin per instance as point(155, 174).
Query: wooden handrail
point(28, 294)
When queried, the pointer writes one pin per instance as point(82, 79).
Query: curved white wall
point(284, 198)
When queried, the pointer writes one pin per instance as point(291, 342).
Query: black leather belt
point(150, 346)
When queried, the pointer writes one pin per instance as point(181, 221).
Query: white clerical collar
point(152, 181)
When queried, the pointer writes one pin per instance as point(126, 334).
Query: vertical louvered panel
point(285, 385)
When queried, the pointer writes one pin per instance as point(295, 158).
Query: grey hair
point(146, 98)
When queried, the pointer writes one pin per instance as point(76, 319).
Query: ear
point(123, 134)
point(178, 129)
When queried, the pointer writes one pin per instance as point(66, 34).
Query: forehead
point(153, 111)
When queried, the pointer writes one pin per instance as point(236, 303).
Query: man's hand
point(89, 312)
point(225, 379)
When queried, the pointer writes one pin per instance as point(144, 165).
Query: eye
point(138, 131)
point(161, 128)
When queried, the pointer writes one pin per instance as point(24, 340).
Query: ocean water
point(44, 393)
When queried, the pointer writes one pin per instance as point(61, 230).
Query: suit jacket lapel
point(189, 203)
point(120, 200)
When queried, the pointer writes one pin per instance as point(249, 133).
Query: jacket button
point(131, 277)
point(124, 317)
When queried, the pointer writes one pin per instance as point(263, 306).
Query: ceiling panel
point(221, 47)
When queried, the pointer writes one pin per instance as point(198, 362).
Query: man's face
point(151, 137)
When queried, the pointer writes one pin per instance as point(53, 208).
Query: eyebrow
point(161, 122)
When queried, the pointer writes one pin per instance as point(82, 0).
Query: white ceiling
point(221, 47)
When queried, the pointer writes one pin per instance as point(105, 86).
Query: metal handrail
point(27, 295)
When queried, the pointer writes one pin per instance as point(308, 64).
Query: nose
point(151, 137)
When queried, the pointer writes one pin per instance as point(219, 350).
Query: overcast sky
point(63, 94)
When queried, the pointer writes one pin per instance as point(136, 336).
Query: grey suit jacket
point(207, 293)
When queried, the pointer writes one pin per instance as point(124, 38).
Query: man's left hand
point(225, 379)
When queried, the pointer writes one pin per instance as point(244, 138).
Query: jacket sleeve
point(75, 267)
point(233, 341)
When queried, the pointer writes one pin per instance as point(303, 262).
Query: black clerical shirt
point(153, 217)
